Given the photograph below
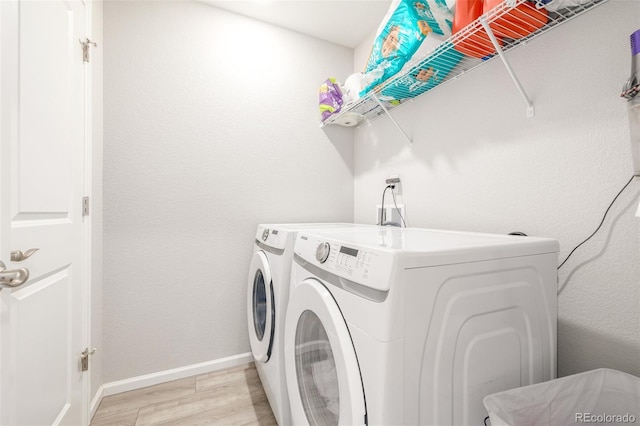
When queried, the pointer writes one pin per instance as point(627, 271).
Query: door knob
point(12, 278)
point(19, 256)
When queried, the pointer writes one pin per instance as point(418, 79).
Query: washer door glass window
point(316, 371)
point(260, 308)
point(259, 304)
point(323, 375)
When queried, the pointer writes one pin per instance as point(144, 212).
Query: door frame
point(88, 219)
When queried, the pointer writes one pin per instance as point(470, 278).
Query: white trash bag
point(603, 397)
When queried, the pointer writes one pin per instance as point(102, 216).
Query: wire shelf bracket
point(530, 107)
point(393, 120)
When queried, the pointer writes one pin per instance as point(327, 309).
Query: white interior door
point(42, 141)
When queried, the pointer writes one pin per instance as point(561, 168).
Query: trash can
point(603, 397)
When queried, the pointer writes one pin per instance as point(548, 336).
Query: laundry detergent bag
point(403, 29)
point(329, 98)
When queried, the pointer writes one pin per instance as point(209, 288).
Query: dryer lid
point(433, 247)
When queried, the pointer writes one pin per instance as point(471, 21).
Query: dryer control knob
point(322, 252)
point(265, 235)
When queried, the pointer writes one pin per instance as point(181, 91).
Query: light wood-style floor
point(228, 397)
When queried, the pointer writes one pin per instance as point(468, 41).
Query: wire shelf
point(475, 41)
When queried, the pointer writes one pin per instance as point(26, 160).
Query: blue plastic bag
point(406, 25)
point(427, 74)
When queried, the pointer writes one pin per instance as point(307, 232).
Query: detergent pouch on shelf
point(330, 98)
point(403, 29)
point(425, 74)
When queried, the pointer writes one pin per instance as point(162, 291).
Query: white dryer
point(268, 294)
point(413, 326)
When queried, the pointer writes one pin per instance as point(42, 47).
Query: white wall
point(479, 164)
point(210, 128)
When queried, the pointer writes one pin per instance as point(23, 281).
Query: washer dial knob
point(322, 252)
point(265, 235)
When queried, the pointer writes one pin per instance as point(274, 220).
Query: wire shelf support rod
point(512, 74)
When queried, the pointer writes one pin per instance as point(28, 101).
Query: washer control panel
point(365, 266)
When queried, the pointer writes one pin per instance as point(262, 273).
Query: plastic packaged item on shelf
point(519, 22)
point(330, 98)
point(423, 75)
point(400, 34)
point(556, 5)
point(475, 44)
point(352, 87)
point(369, 78)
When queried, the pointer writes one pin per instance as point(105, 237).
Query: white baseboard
point(95, 402)
point(169, 375)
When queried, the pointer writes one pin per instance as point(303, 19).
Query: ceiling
point(344, 22)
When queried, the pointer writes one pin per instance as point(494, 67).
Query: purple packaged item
point(631, 88)
point(330, 98)
point(635, 43)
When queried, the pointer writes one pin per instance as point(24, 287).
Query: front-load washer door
point(323, 376)
point(260, 308)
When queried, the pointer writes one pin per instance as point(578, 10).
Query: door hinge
point(84, 358)
point(86, 43)
point(85, 206)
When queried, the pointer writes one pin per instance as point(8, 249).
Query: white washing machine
point(414, 326)
point(268, 294)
